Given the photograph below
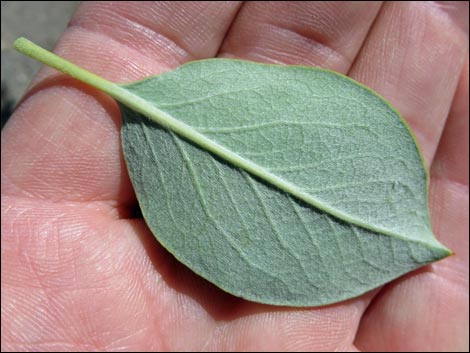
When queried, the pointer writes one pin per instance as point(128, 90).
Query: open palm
point(81, 270)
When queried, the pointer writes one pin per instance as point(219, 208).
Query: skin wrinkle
point(175, 51)
point(115, 52)
point(310, 42)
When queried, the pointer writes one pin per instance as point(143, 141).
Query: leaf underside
point(323, 135)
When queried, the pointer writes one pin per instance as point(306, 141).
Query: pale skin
point(81, 272)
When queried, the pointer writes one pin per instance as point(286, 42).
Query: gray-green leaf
point(347, 210)
point(284, 185)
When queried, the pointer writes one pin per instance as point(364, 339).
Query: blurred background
point(40, 21)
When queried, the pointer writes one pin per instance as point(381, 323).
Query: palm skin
point(80, 271)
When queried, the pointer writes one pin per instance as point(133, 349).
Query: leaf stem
point(34, 51)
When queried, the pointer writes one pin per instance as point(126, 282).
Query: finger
point(413, 57)
point(327, 34)
point(429, 309)
point(451, 161)
point(63, 141)
point(449, 186)
point(450, 210)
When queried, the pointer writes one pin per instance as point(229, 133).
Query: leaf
point(285, 185)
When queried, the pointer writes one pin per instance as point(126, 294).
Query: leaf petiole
point(34, 51)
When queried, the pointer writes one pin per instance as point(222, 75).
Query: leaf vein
point(209, 215)
point(273, 226)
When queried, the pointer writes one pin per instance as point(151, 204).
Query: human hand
point(81, 271)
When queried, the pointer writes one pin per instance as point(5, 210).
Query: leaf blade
point(413, 251)
point(341, 261)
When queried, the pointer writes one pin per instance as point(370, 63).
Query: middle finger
point(326, 34)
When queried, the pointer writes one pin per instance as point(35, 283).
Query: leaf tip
point(448, 252)
point(443, 252)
